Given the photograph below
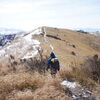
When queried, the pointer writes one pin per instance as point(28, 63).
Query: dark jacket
point(53, 62)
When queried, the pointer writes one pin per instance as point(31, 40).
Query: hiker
point(53, 64)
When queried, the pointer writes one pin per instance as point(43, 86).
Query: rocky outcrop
point(4, 39)
point(76, 91)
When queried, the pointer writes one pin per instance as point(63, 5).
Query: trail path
point(47, 40)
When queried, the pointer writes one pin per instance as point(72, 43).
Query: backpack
point(53, 60)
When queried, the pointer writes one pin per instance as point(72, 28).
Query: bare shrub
point(4, 69)
point(49, 93)
point(30, 86)
point(65, 74)
point(37, 64)
point(73, 53)
point(79, 74)
point(32, 64)
point(27, 94)
point(92, 67)
point(20, 82)
point(12, 57)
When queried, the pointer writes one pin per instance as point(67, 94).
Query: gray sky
point(29, 14)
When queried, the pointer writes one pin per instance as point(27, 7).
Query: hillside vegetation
point(27, 79)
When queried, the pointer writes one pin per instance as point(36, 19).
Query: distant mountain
point(4, 39)
point(6, 31)
point(95, 31)
point(91, 29)
point(8, 35)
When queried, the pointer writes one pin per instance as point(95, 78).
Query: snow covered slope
point(22, 47)
point(8, 35)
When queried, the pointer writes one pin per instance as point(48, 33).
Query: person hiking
point(53, 64)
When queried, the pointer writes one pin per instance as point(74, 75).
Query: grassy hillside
point(18, 81)
point(70, 41)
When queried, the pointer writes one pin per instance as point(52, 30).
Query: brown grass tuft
point(20, 81)
point(78, 74)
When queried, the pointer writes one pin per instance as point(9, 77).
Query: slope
point(70, 45)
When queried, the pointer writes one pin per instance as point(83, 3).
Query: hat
point(52, 55)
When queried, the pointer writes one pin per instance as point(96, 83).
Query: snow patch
point(69, 84)
point(23, 47)
point(76, 91)
point(2, 52)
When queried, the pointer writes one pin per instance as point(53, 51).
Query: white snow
point(23, 47)
point(33, 44)
point(77, 91)
point(2, 52)
point(69, 84)
point(37, 31)
point(51, 47)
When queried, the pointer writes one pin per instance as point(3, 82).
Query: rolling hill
point(21, 77)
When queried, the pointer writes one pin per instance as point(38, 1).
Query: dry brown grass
point(44, 93)
point(20, 81)
point(27, 94)
point(31, 85)
point(78, 74)
point(50, 93)
point(25, 84)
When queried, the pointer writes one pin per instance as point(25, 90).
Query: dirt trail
point(47, 40)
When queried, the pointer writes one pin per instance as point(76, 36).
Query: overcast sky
point(29, 14)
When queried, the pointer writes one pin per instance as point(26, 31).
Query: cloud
point(10, 8)
point(27, 14)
